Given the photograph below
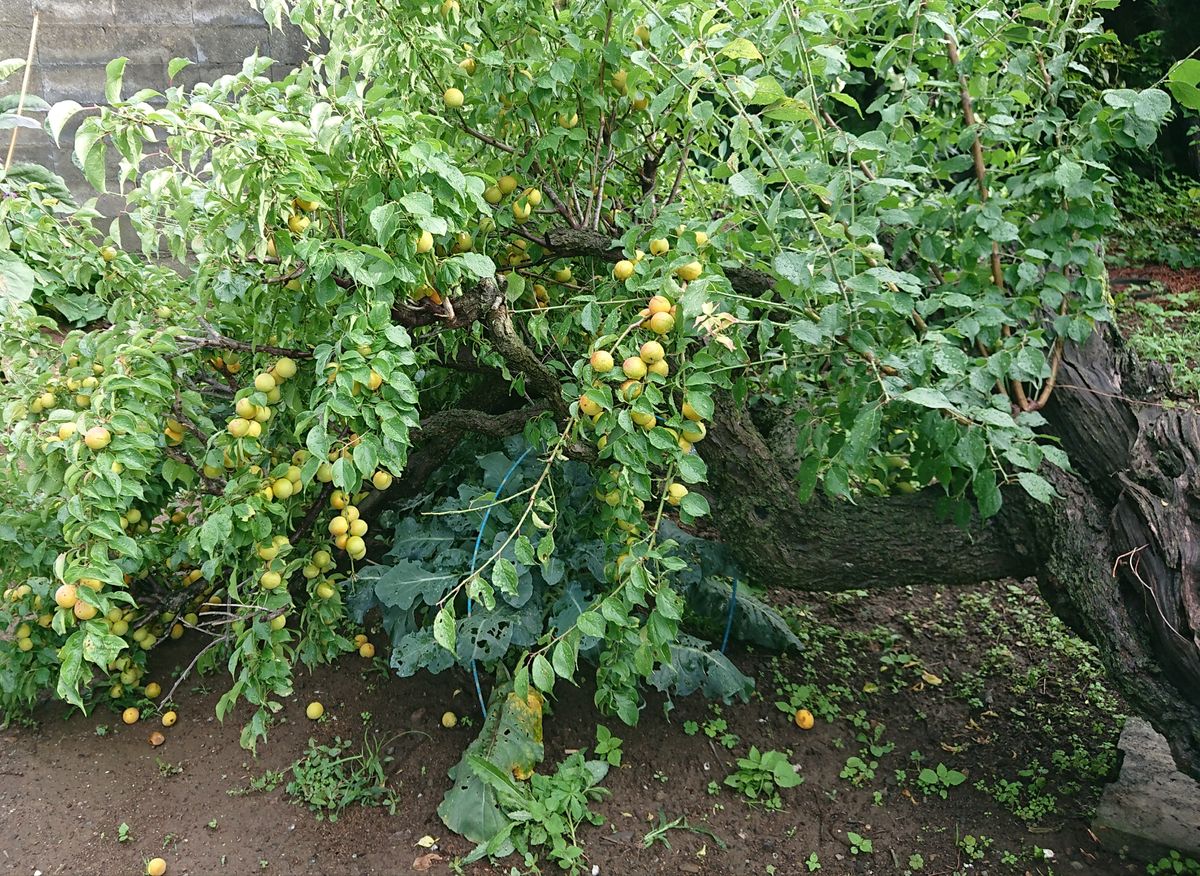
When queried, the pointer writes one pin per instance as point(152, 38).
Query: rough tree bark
point(1118, 557)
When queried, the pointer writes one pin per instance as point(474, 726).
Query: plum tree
point(848, 255)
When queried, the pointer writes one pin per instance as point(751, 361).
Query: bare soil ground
point(983, 681)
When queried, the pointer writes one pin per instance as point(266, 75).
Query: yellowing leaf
point(427, 842)
point(930, 678)
point(742, 48)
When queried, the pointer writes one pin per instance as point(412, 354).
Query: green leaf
point(792, 267)
point(1037, 486)
point(987, 493)
point(61, 113)
point(444, 627)
point(1152, 105)
point(523, 548)
point(418, 204)
point(9, 66)
point(1068, 173)
point(72, 674)
point(366, 457)
point(400, 586)
point(692, 469)
point(215, 530)
point(477, 264)
point(510, 740)
point(746, 184)
point(505, 578)
point(114, 73)
point(101, 647)
point(175, 65)
point(696, 666)
point(862, 435)
point(754, 621)
point(741, 48)
point(565, 656)
point(16, 280)
point(590, 623)
point(846, 100)
point(702, 402)
point(927, 397)
point(1186, 71)
point(543, 674)
point(1187, 95)
point(694, 504)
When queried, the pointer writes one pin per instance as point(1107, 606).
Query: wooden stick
point(12, 143)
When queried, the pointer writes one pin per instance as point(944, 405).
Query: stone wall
point(77, 38)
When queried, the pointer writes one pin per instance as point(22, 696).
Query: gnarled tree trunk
point(1118, 557)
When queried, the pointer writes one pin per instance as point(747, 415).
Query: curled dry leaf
point(157, 739)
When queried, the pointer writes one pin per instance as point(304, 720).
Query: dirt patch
point(983, 682)
point(1168, 279)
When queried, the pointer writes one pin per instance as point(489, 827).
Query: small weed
point(761, 775)
point(124, 833)
point(974, 847)
point(167, 769)
point(813, 863)
point(659, 834)
point(859, 772)
point(859, 845)
point(916, 863)
point(329, 778)
point(940, 781)
point(718, 728)
point(1174, 863)
point(546, 812)
point(608, 747)
point(267, 782)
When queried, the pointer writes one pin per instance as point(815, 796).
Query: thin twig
point(684, 151)
point(188, 669)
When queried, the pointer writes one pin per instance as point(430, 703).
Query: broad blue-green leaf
point(400, 586)
point(510, 741)
point(754, 621)
point(694, 665)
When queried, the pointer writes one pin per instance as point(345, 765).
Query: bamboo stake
point(12, 143)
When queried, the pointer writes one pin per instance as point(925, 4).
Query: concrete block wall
point(77, 38)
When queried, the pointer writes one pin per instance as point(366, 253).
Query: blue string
point(475, 555)
point(729, 615)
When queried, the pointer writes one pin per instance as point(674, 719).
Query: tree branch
point(593, 244)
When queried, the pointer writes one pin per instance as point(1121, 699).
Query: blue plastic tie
point(729, 616)
point(475, 556)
